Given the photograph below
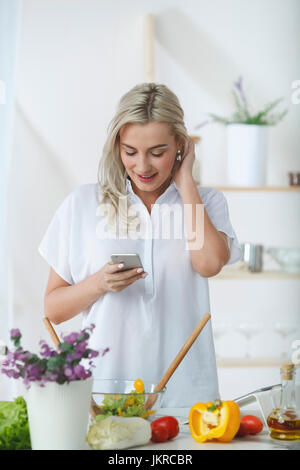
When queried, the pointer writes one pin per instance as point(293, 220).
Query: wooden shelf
point(251, 362)
point(240, 274)
point(257, 188)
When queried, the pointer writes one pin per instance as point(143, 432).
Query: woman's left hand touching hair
point(184, 174)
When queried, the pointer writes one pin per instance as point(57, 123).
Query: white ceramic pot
point(247, 147)
point(58, 415)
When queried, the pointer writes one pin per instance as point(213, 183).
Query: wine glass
point(218, 331)
point(285, 329)
point(249, 330)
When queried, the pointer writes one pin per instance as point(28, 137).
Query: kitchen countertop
point(184, 440)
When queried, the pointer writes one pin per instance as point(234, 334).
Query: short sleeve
point(55, 245)
point(217, 210)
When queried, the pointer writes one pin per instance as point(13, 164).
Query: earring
point(178, 156)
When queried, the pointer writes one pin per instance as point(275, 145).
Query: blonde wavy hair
point(144, 103)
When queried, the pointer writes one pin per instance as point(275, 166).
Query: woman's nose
point(142, 164)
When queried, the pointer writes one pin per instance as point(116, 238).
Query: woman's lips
point(146, 179)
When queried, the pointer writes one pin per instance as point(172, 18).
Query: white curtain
point(9, 30)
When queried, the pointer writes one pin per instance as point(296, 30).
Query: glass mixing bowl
point(119, 398)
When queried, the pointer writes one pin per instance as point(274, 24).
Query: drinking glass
point(285, 329)
point(249, 330)
point(218, 331)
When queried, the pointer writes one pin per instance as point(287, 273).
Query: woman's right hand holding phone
point(113, 280)
point(63, 301)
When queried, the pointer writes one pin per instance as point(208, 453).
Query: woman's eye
point(154, 154)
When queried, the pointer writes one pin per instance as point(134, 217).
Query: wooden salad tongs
point(94, 408)
point(175, 363)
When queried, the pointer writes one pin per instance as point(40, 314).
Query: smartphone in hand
point(130, 260)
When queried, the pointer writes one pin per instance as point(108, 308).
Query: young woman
point(145, 179)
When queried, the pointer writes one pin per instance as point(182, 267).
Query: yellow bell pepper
point(218, 421)
point(148, 413)
point(128, 402)
point(139, 386)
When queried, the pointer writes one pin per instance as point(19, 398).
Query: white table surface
point(184, 440)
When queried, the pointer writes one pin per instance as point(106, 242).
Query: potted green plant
point(247, 138)
point(59, 389)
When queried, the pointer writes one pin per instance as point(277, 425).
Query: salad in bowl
point(125, 398)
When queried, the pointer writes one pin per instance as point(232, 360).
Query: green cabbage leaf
point(14, 427)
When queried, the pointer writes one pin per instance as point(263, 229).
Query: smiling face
point(148, 150)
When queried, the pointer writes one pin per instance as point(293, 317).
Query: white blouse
point(147, 323)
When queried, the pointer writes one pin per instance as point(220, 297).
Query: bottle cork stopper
point(287, 371)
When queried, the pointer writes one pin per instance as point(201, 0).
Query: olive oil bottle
point(284, 421)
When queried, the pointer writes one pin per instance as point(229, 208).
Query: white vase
point(247, 147)
point(58, 415)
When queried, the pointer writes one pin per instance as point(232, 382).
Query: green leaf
point(216, 404)
point(258, 117)
point(220, 119)
point(17, 341)
point(55, 362)
point(65, 347)
point(242, 110)
point(14, 427)
point(274, 119)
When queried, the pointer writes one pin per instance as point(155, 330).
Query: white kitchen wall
point(76, 59)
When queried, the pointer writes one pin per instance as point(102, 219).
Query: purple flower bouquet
point(60, 366)
point(59, 388)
